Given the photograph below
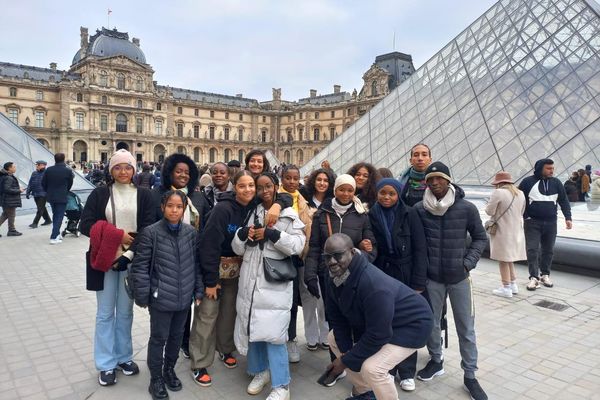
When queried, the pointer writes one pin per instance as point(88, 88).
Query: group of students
point(372, 271)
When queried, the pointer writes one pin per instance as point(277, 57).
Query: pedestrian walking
point(57, 182)
point(10, 197)
point(34, 187)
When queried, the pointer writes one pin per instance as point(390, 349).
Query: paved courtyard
point(47, 320)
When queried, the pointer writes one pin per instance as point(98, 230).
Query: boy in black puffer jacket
point(166, 278)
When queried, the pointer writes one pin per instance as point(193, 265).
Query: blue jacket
point(372, 309)
point(35, 184)
point(57, 181)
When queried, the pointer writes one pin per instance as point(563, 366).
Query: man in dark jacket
point(145, 179)
point(413, 179)
point(375, 320)
point(10, 197)
point(39, 194)
point(543, 192)
point(447, 217)
point(57, 181)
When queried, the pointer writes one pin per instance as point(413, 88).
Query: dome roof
point(108, 43)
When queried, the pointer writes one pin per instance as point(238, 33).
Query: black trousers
point(40, 202)
point(294, 310)
point(185, 342)
point(540, 236)
point(166, 332)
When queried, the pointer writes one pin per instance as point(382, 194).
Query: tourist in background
point(112, 216)
point(10, 197)
point(145, 179)
point(34, 187)
point(596, 187)
point(507, 244)
point(401, 253)
point(167, 256)
point(571, 187)
point(365, 175)
point(263, 307)
point(57, 181)
point(543, 192)
point(413, 179)
point(585, 184)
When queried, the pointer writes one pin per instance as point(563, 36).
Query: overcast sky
point(243, 46)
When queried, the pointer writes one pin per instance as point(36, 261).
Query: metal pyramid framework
point(19, 147)
point(519, 84)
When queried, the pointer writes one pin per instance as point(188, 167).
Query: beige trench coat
point(508, 244)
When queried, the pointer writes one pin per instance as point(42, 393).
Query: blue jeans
point(263, 355)
point(114, 317)
point(58, 213)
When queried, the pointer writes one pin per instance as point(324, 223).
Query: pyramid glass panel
point(519, 84)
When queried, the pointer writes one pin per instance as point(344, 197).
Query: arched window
point(317, 134)
point(121, 123)
point(103, 78)
point(374, 88)
point(212, 155)
point(300, 157)
point(241, 155)
point(227, 155)
point(197, 154)
point(287, 157)
point(139, 84)
point(120, 81)
point(79, 97)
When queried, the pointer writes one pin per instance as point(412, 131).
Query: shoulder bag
point(279, 270)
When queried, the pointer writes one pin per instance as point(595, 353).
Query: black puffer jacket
point(450, 258)
point(176, 276)
point(11, 191)
point(353, 224)
point(408, 261)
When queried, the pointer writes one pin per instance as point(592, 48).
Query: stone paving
point(47, 321)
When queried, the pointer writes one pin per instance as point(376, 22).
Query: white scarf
point(439, 207)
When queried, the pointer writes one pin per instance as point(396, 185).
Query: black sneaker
point(474, 389)
point(13, 233)
point(129, 368)
point(431, 370)
point(331, 380)
point(171, 380)
point(33, 225)
point(157, 389)
point(107, 378)
point(185, 351)
point(364, 396)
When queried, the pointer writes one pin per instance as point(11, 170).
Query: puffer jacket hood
point(3, 172)
point(539, 166)
point(169, 166)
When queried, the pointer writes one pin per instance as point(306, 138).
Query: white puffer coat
point(263, 308)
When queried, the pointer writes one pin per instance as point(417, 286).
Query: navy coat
point(57, 181)
point(372, 309)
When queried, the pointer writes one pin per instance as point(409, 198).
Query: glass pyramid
point(519, 84)
point(20, 147)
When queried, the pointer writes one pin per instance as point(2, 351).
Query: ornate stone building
point(108, 99)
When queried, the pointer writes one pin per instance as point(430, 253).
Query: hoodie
point(543, 195)
point(220, 227)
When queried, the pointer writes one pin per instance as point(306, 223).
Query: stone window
point(226, 133)
point(13, 92)
point(196, 112)
point(317, 115)
point(226, 115)
point(103, 78)
point(317, 134)
point(121, 123)
point(13, 115)
point(79, 123)
point(211, 132)
point(158, 107)
point(120, 81)
point(104, 123)
point(241, 117)
point(263, 135)
point(300, 115)
point(104, 100)
point(180, 129)
point(140, 104)
point(333, 114)
point(212, 155)
point(374, 88)
point(240, 155)
point(212, 114)
point(196, 131)
point(139, 125)
point(241, 134)
point(79, 97)
point(39, 119)
point(264, 119)
point(139, 84)
point(179, 110)
point(332, 134)
point(158, 126)
point(39, 95)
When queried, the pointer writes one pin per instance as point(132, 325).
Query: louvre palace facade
point(108, 99)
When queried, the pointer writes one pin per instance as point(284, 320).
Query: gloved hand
point(313, 288)
point(121, 264)
point(27, 196)
point(272, 234)
point(243, 233)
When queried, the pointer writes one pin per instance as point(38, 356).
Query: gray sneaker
point(545, 279)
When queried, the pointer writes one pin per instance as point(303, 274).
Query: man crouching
point(376, 320)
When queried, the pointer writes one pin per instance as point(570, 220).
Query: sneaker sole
point(438, 373)
point(203, 384)
point(314, 348)
point(411, 389)
point(340, 376)
point(128, 373)
point(230, 366)
point(255, 392)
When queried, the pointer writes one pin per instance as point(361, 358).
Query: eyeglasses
point(338, 256)
point(119, 168)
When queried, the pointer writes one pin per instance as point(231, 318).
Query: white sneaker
point(55, 241)
point(503, 291)
point(293, 352)
point(279, 393)
point(408, 385)
point(514, 287)
point(259, 381)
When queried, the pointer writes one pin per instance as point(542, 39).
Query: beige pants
point(375, 372)
point(212, 329)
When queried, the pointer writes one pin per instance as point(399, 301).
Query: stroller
point(73, 213)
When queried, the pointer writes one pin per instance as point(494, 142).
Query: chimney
point(83, 32)
point(136, 41)
point(53, 66)
point(336, 88)
point(313, 93)
point(239, 95)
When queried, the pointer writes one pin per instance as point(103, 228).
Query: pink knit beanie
point(121, 156)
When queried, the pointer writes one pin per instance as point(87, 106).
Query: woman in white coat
point(507, 245)
point(263, 307)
